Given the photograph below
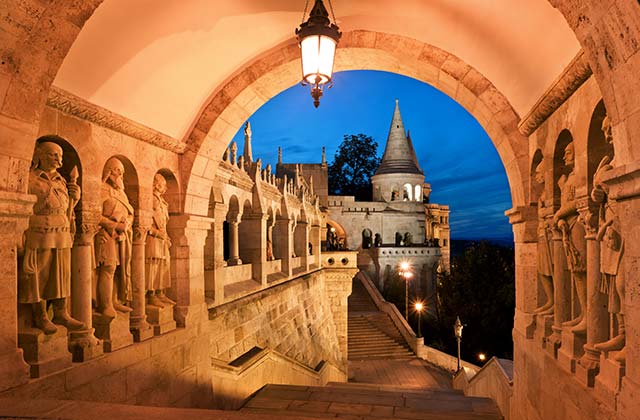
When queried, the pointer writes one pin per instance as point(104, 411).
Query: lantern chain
point(332, 14)
point(304, 13)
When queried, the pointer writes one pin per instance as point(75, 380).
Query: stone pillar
point(524, 223)
point(562, 293)
point(283, 244)
point(188, 233)
point(215, 285)
point(139, 326)
point(253, 231)
point(301, 243)
point(15, 209)
point(83, 344)
point(234, 244)
point(338, 281)
point(596, 311)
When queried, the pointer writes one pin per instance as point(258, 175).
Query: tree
point(353, 166)
point(481, 290)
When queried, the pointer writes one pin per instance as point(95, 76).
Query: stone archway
point(233, 103)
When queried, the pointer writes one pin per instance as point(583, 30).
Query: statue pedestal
point(554, 341)
point(588, 366)
point(45, 354)
point(84, 345)
point(140, 329)
point(115, 332)
point(543, 329)
point(161, 319)
point(609, 380)
point(571, 350)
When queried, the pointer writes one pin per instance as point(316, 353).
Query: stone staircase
point(363, 402)
point(372, 334)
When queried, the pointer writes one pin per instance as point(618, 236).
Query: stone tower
point(399, 177)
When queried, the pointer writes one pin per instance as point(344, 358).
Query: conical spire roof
point(399, 156)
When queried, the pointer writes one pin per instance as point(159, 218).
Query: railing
point(494, 380)
point(416, 344)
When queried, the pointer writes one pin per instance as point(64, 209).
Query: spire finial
point(279, 155)
point(248, 156)
point(324, 156)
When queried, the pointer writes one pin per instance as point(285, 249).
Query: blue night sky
point(455, 153)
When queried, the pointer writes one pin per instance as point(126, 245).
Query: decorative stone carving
point(157, 257)
point(78, 107)
point(234, 153)
point(408, 239)
point(113, 244)
point(573, 76)
point(611, 251)
point(544, 261)
point(573, 237)
point(46, 265)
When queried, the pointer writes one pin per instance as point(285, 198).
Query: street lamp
point(419, 306)
point(318, 39)
point(406, 274)
point(457, 329)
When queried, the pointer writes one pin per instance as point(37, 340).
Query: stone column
point(301, 243)
point(188, 233)
point(83, 344)
point(139, 326)
point(315, 238)
point(15, 209)
point(234, 244)
point(338, 281)
point(596, 311)
point(561, 292)
point(254, 244)
point(215, 285)
point(283, 244)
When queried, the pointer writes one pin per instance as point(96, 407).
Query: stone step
point(369, 402)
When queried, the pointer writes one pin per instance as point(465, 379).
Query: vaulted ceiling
point(157, 62)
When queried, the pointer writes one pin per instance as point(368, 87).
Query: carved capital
point(140, 233)
point(573, 76)
point(589, 220)
point(78, 107)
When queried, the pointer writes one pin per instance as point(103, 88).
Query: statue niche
point(573, 238)
point(611, 251)
point(46, 265)
point(113, 244)
point(544, 262)
point(157, 255)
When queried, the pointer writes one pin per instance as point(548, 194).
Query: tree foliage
point(480, 290)
point(353, 166)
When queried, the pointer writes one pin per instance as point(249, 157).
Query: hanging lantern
point(318, 39)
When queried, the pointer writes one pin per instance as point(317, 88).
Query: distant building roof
point(399, 156)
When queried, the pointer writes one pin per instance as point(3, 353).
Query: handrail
point(434, 356)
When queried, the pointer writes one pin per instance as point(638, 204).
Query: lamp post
point(318, 39)
point(457, 328)
point(419, 306)
point(406, 274)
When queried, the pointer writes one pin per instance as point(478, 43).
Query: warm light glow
point(317, 58)
point(407, 275)
point(482, 357)
point(419, 306)
point(404, 266)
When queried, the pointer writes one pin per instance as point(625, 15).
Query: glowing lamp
point(318, 39)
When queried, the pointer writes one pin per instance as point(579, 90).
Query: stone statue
point(113, 243)
point(332, 239)
point(46, 266)
point(157, 264)
point(544, 263)
point(611, 250)
point(408, 239)
point(398, 239)
point(573, 238)
point(377, 242)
